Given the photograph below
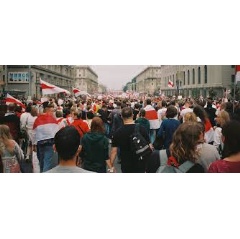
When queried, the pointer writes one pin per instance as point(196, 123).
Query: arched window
point(193, 76)
point(199, 75)
point(184, 78)
point(205, 74)
point(188, 73)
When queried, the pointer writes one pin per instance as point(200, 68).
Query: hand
point(112, 170)
point(35, 148)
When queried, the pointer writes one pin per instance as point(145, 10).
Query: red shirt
point(223, 166)
point(81, 126)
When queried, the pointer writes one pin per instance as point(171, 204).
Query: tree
point(125, 88)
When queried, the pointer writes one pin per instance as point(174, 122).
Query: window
point(188, 73)
point(199, 75)
point(184, 78)
point(205, 74)
point(193, 76)
point(233, 79)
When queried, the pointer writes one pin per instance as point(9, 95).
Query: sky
point(116, 76)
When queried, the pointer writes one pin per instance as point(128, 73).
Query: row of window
point(187, 79)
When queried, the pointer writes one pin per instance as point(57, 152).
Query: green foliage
point(125, 88)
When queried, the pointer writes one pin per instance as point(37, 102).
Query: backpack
point(165, 168)
point(117, 122)
point(138, 144)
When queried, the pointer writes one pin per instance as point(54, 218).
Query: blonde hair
point(5, 139)
point(224, 115)
point(190, 117)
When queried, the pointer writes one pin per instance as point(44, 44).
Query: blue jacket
point(167, 129)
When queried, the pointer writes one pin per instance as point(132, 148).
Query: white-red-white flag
point(237, 74)
point(11, 100)
point(76, 92)
point(170, 84)
point(48, 89)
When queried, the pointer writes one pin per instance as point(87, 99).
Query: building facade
point(86, 79)
point(197, 80)
point(148, 81)
point(24, 80)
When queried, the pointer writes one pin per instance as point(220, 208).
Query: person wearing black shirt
point(121, 139)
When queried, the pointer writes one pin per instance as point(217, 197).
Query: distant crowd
point(92, 135)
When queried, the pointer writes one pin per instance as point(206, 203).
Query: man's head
point(148, 102)
point(66, 143)
point(127, 113)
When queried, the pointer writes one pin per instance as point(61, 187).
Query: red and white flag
point(237, 74)
point(76, 92)
point(11, 100)
point(170, 84)
point(48, 89)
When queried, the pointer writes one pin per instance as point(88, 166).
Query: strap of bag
point(185, 166)
point(163, 157)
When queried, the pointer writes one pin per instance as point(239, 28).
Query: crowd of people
point(89, 135)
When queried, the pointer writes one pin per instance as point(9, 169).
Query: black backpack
point(139, 145)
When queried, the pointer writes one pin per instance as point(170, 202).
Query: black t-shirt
point(121, 139)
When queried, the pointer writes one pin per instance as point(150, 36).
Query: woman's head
point(222, 118)
point(231, 138)
point(190, 117)
point(97, 125)
point(185, 141)
point(200, 112)
point(5, 132)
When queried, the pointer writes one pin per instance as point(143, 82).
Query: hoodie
point(94, 151)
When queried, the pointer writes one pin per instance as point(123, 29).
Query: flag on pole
point(76, 92)
point(170, 83)
point(48, 89)
point(237, 74)
point(11, 100)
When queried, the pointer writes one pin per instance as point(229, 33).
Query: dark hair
point(201, 113)
point(231, 132)
point(11, 107)
point(136, 106)
point(127, 112)
point(148, 101)
point(59, 113)
point(90, 115)
point(171, 111)
point(164, 103)
point(67, 141)
point(142, 113)
point(97, 125)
